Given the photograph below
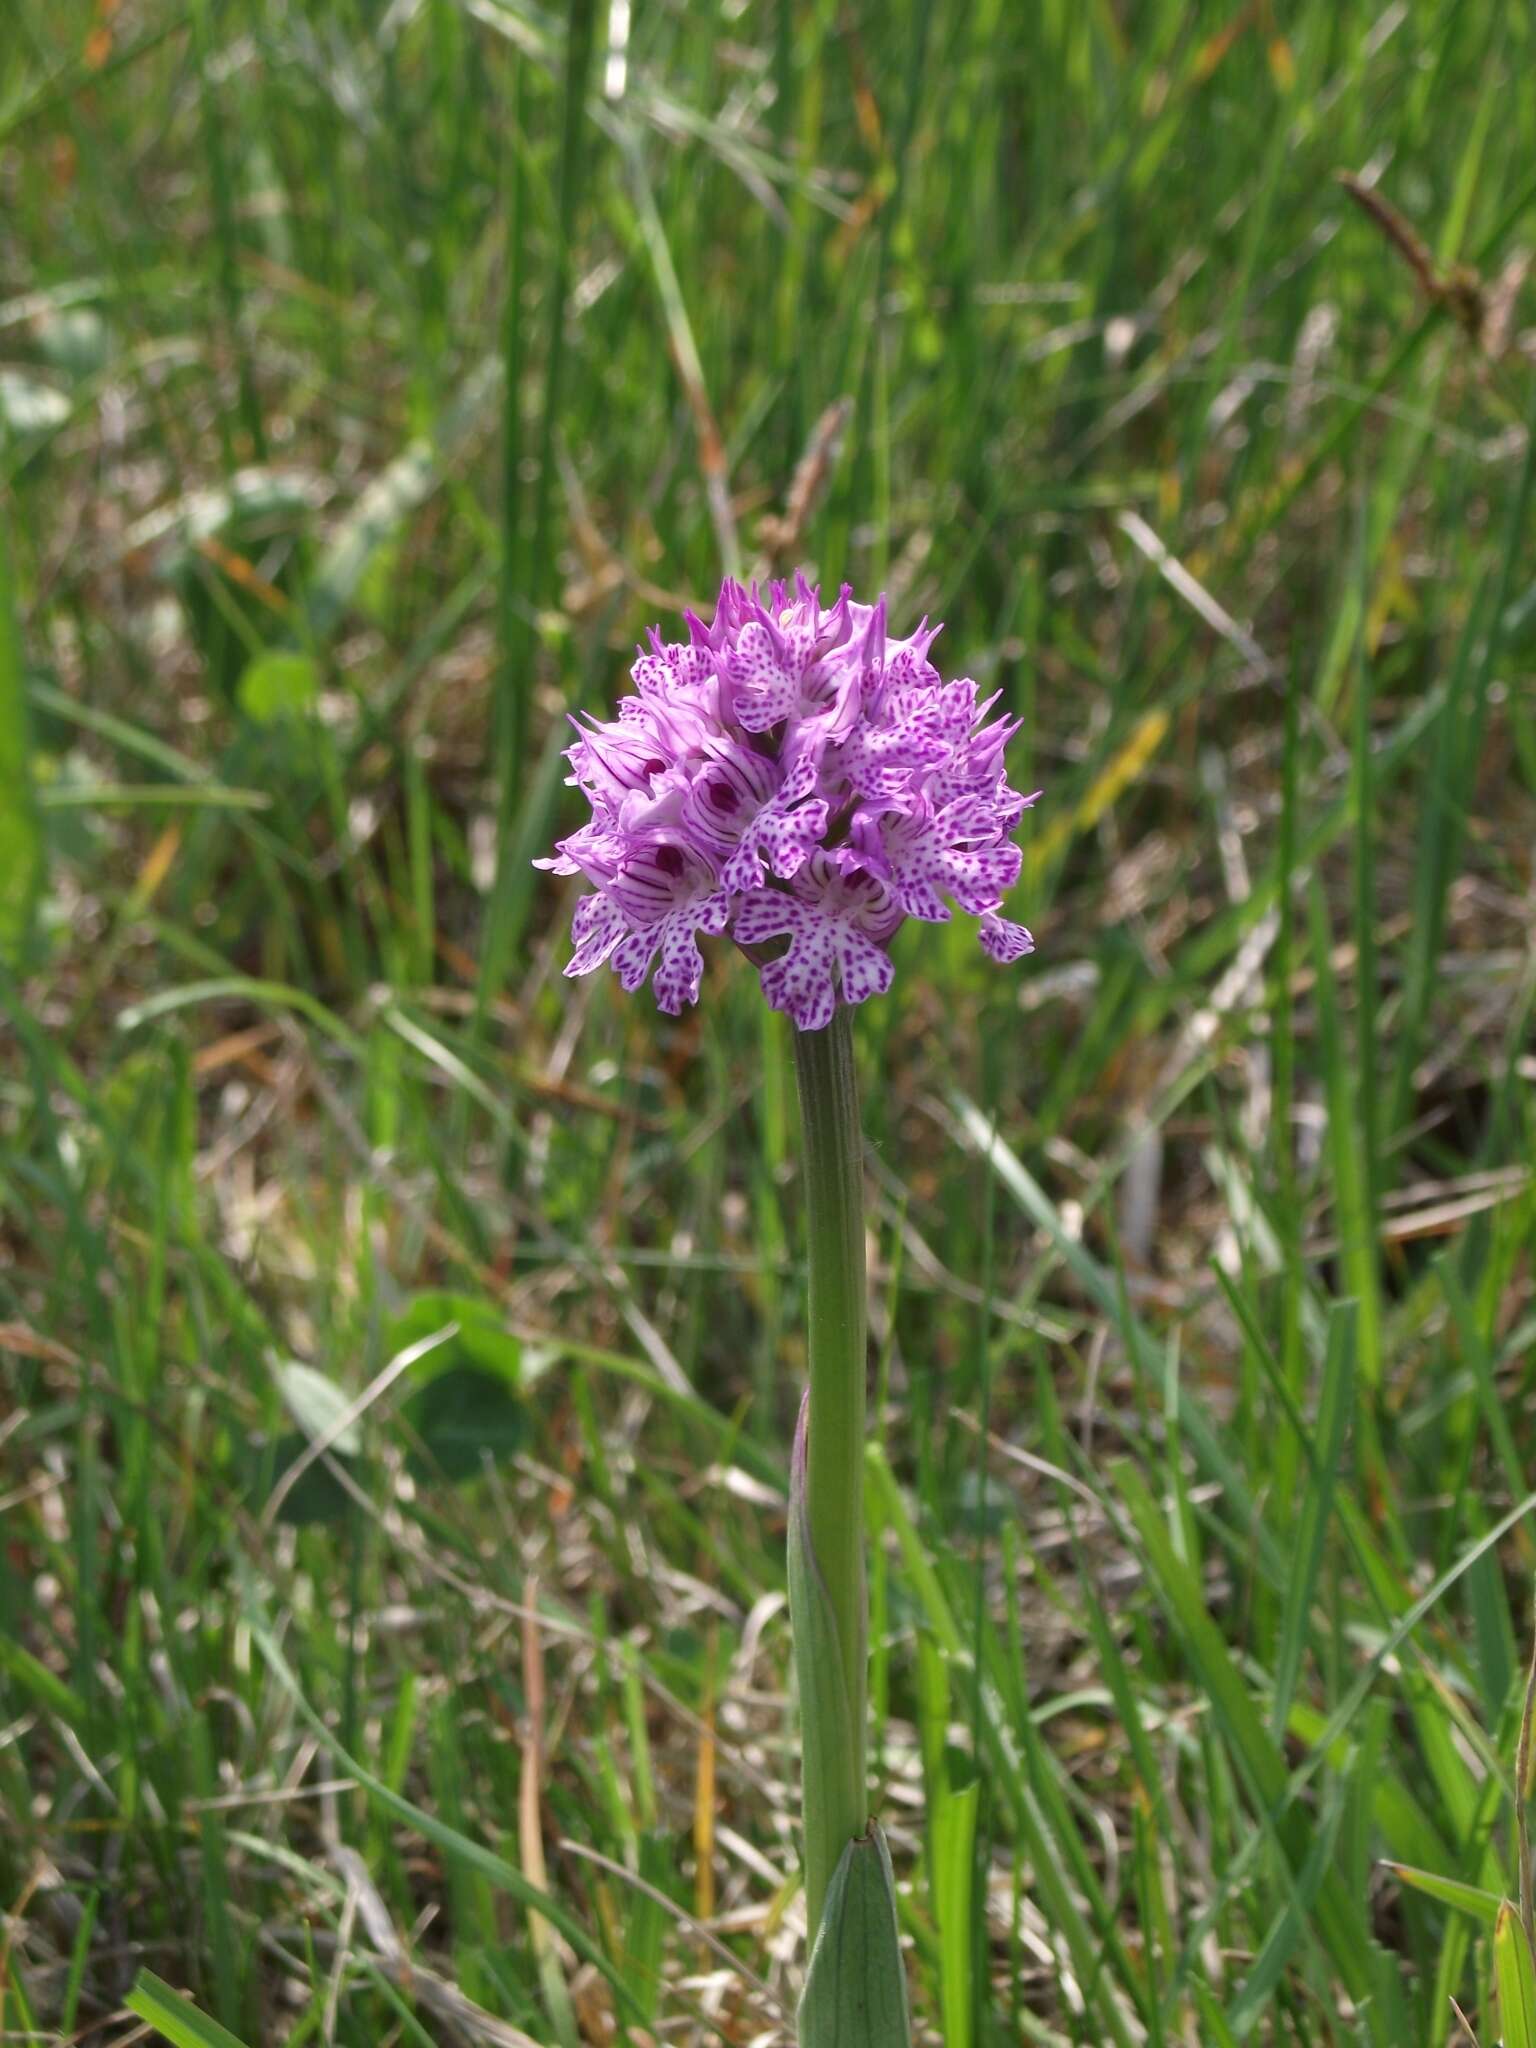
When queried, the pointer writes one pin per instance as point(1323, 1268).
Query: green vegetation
point(399, 1344)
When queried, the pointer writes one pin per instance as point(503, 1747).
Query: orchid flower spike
point(793, 774)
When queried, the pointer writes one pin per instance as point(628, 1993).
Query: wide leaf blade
point(856, 1989)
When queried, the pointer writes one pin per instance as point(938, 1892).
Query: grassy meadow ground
point(370, 377)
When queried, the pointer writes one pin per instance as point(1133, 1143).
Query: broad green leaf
point(645, 1927)
point(1450, 1891)
point(464, 1402)
point(932, 1713)
point(1514, 1969)
point(481, 1338)
point(921, 1576)
point(317, 1405)
point(317, 1496)
point(278, 684)
point(856, 1987)
point(1213, 2020)
point(21, 837)
point(175, 2017)
point(461, 1418)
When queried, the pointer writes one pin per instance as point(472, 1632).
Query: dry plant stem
point(834, 1484)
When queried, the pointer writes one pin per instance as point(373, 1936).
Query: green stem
point(835, 1801)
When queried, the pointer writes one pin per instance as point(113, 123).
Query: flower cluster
point(793, 774)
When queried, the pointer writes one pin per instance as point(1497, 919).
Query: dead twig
point(1484, 312)
point(780, 538)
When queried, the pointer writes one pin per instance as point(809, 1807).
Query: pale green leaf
point(480, 1338)
point(28, 406)
point(856, 1988)
point(317, 1406)
point(33, 1676)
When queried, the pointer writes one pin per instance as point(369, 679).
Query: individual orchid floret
point(924, 852)
point(664, 895)
point(670, 672)
point(834, 914)
point(799, 774)
point(743, 810)
point(794, 666)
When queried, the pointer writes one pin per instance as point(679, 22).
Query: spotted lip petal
point(834, 914)
point(1005, 941)
point(798, 773)
point(597, 926)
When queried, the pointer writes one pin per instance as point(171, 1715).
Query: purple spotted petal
point(924, 855)
point(742, 811)
point(681, 971)
point(597, 925)
point(1006, 942)
point(765, 684)
point(834, 915)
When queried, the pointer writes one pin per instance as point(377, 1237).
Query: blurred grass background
point(399, 1342)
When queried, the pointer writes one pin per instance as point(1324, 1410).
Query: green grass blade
point(1257, 1757)
point(1335, 1413)
point(175, 2017)
point(21, 832)
point(1515, 1972)
point(1450, 1891)
point(954, 1863)
point(1351, 1192)
point(473, 1856)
